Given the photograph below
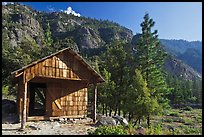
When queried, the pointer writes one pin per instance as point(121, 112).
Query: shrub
point(188, 108)
point(191, 130)
point(198, 119)
point(154, 130)
point(178, 119)
point(174, 114)
point(168, 120)
point(188, 121)
point(131, 129)
point(5, 90)
point(107, 130)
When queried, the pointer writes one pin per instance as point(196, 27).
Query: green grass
point(185, 122)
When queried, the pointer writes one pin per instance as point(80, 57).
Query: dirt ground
point(11, 124)
point(79, 127)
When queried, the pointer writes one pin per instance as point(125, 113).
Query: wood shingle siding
point(66, 76)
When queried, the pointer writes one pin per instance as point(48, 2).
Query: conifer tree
point(151, 58)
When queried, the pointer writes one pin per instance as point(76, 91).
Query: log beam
point(23, 120)
point(94, 102)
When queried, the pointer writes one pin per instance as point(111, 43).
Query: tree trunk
point(110, 112)
point(119, 110)
point(129, 116)
point(124, 114)
point(135, 123)
point(148, 121)
point(103, 109)
point(115, 111)
point(106, 110)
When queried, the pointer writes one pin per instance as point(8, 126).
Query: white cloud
point(50, 8)
point(5, 3)
point(70, 11)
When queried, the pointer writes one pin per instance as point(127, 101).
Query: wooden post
point(94, 102)
point(23, 119)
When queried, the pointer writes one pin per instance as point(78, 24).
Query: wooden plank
point(18, 74)
point(46, 71)
point(50, 71)
point(36, 69)
point(80, 107)
point(80, 103)
point(68, 116)
point(54, 72)
point(50, 62)
point(64, 73)
point(57, 63)
point(53, 61)
point(32, 69)
point(37, 118)
point(61, 72)
point(71, 74)
point(40, 68)
point(57, 72)
point(60, 64)
point(46, 62)
point(63, 65)
point(53, 65)
point(43, 68)
point(75, 66)
point(68, 73)
point(56, 102)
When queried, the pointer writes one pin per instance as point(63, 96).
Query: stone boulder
point(106, 121)
point(120, 120)
point(140, 131)
point(8, 106)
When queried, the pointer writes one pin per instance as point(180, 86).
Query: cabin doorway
point(37, 99)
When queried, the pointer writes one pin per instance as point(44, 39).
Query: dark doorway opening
point(37, 99)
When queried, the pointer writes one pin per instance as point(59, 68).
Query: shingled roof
point(76, 55)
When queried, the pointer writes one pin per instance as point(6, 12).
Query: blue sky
point(174, 20)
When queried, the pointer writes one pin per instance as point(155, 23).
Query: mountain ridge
point(20, 23)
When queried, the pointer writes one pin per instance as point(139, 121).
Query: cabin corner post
point(23, 119)
point(94, 102)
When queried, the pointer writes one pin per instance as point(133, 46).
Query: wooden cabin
point(55, 86)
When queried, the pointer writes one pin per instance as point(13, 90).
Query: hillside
point(189, 52)
point(20, 21)
point(26, 31)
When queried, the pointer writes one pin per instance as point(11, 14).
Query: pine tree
point(106, 92)
point(48, 49)
point(48, 36)
point(115, 60)
point(138, 97)
point(151, 58)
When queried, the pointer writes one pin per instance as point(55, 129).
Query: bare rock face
point(178, 68)
point(87, 38)
point(20, 22)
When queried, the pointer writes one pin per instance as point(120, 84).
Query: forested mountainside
point(28, 35)
point(189, 52)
